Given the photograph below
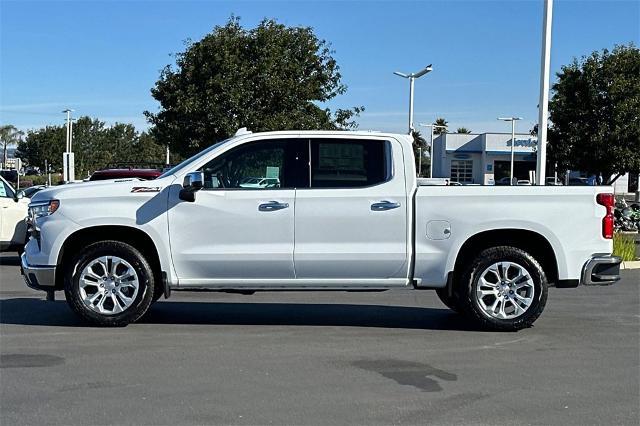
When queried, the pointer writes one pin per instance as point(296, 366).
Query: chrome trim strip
point(588, 275)
point(45, 275)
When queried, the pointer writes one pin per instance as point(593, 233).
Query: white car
point(13, 212)
point(254, 182)
point(349, 214)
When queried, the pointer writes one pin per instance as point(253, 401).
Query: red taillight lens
point(607, 200)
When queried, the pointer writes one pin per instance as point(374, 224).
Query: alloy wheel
point(108, 285)
point(505, 290)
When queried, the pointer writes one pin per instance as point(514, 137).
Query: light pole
point(67, 157)
point(543, 104)
point(513, 139)
point(433, 126)
point(412, 76)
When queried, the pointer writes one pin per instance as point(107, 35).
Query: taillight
point(607, 200)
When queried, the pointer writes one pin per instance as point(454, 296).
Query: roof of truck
point(361, 133)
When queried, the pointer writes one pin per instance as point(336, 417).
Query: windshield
point(177, 168)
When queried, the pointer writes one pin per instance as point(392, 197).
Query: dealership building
point(482, 158)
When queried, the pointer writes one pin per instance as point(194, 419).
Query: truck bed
point(447, 216)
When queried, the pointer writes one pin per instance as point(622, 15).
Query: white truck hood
point(103, 189)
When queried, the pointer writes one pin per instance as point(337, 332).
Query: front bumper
point(601, 270)
point(38, 277)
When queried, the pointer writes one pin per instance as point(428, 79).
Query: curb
point(630, 264)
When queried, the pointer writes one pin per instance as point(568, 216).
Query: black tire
point(469, 282)
point(146, 285)
point(451, 301)
point(157, 294)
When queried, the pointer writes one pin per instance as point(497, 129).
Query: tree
point(47, 143)
point(443, 126)
point(463, 130)
point(595, 114)
point(9, 135)
point(420, 148)
point(145, 148)
point(95, 146)
point(271, 77)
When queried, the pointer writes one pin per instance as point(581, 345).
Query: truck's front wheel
point(110, 283)
point(504, 288)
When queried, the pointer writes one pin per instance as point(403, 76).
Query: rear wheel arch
point(126, 234)
point(530, 241)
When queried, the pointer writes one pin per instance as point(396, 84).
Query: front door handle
point(272, 206)
point(384, 205)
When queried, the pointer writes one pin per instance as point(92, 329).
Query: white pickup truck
point(347, 213)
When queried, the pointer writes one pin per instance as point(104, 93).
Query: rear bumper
point(38, 277)
point(601, 270)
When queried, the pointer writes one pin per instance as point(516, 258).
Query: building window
point(462, 171)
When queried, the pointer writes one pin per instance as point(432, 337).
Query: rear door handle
point(272, 206)
point(384, 205)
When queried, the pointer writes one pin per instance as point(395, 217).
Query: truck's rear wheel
point(504, 288)
point(110, 283)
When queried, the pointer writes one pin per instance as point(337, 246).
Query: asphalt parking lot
point(394, 357)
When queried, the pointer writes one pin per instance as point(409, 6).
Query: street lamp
point(433, 126)
point(412, 76)
point(67, 156)
point(543, 104)
point(513, 138)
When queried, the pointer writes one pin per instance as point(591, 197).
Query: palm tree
point(419, 148)
point(463, 130)
point(8, 135)
point(440, 130)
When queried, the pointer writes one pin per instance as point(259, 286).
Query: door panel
point(12, 215)
point(241, 225)
point(349, 225)
point(224, 234)
point(3, 234)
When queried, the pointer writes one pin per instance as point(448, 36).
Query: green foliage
point(595, 113)
point(271, 77)
point(31, 180)
point(624, 245)
point(463, 130)
point(47, 143)
point(440, 130)
point(95, 146)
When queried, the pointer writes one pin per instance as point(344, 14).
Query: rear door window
point(349, 163)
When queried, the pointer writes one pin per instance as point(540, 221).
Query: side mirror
point(192, 183)
point(19, 195)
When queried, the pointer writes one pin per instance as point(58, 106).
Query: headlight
point(43, 208)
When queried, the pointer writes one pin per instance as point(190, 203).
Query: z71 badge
point(145, 189)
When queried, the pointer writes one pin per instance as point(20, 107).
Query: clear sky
point(102, 57)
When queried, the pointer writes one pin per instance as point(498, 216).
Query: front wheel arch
point(135, 237)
